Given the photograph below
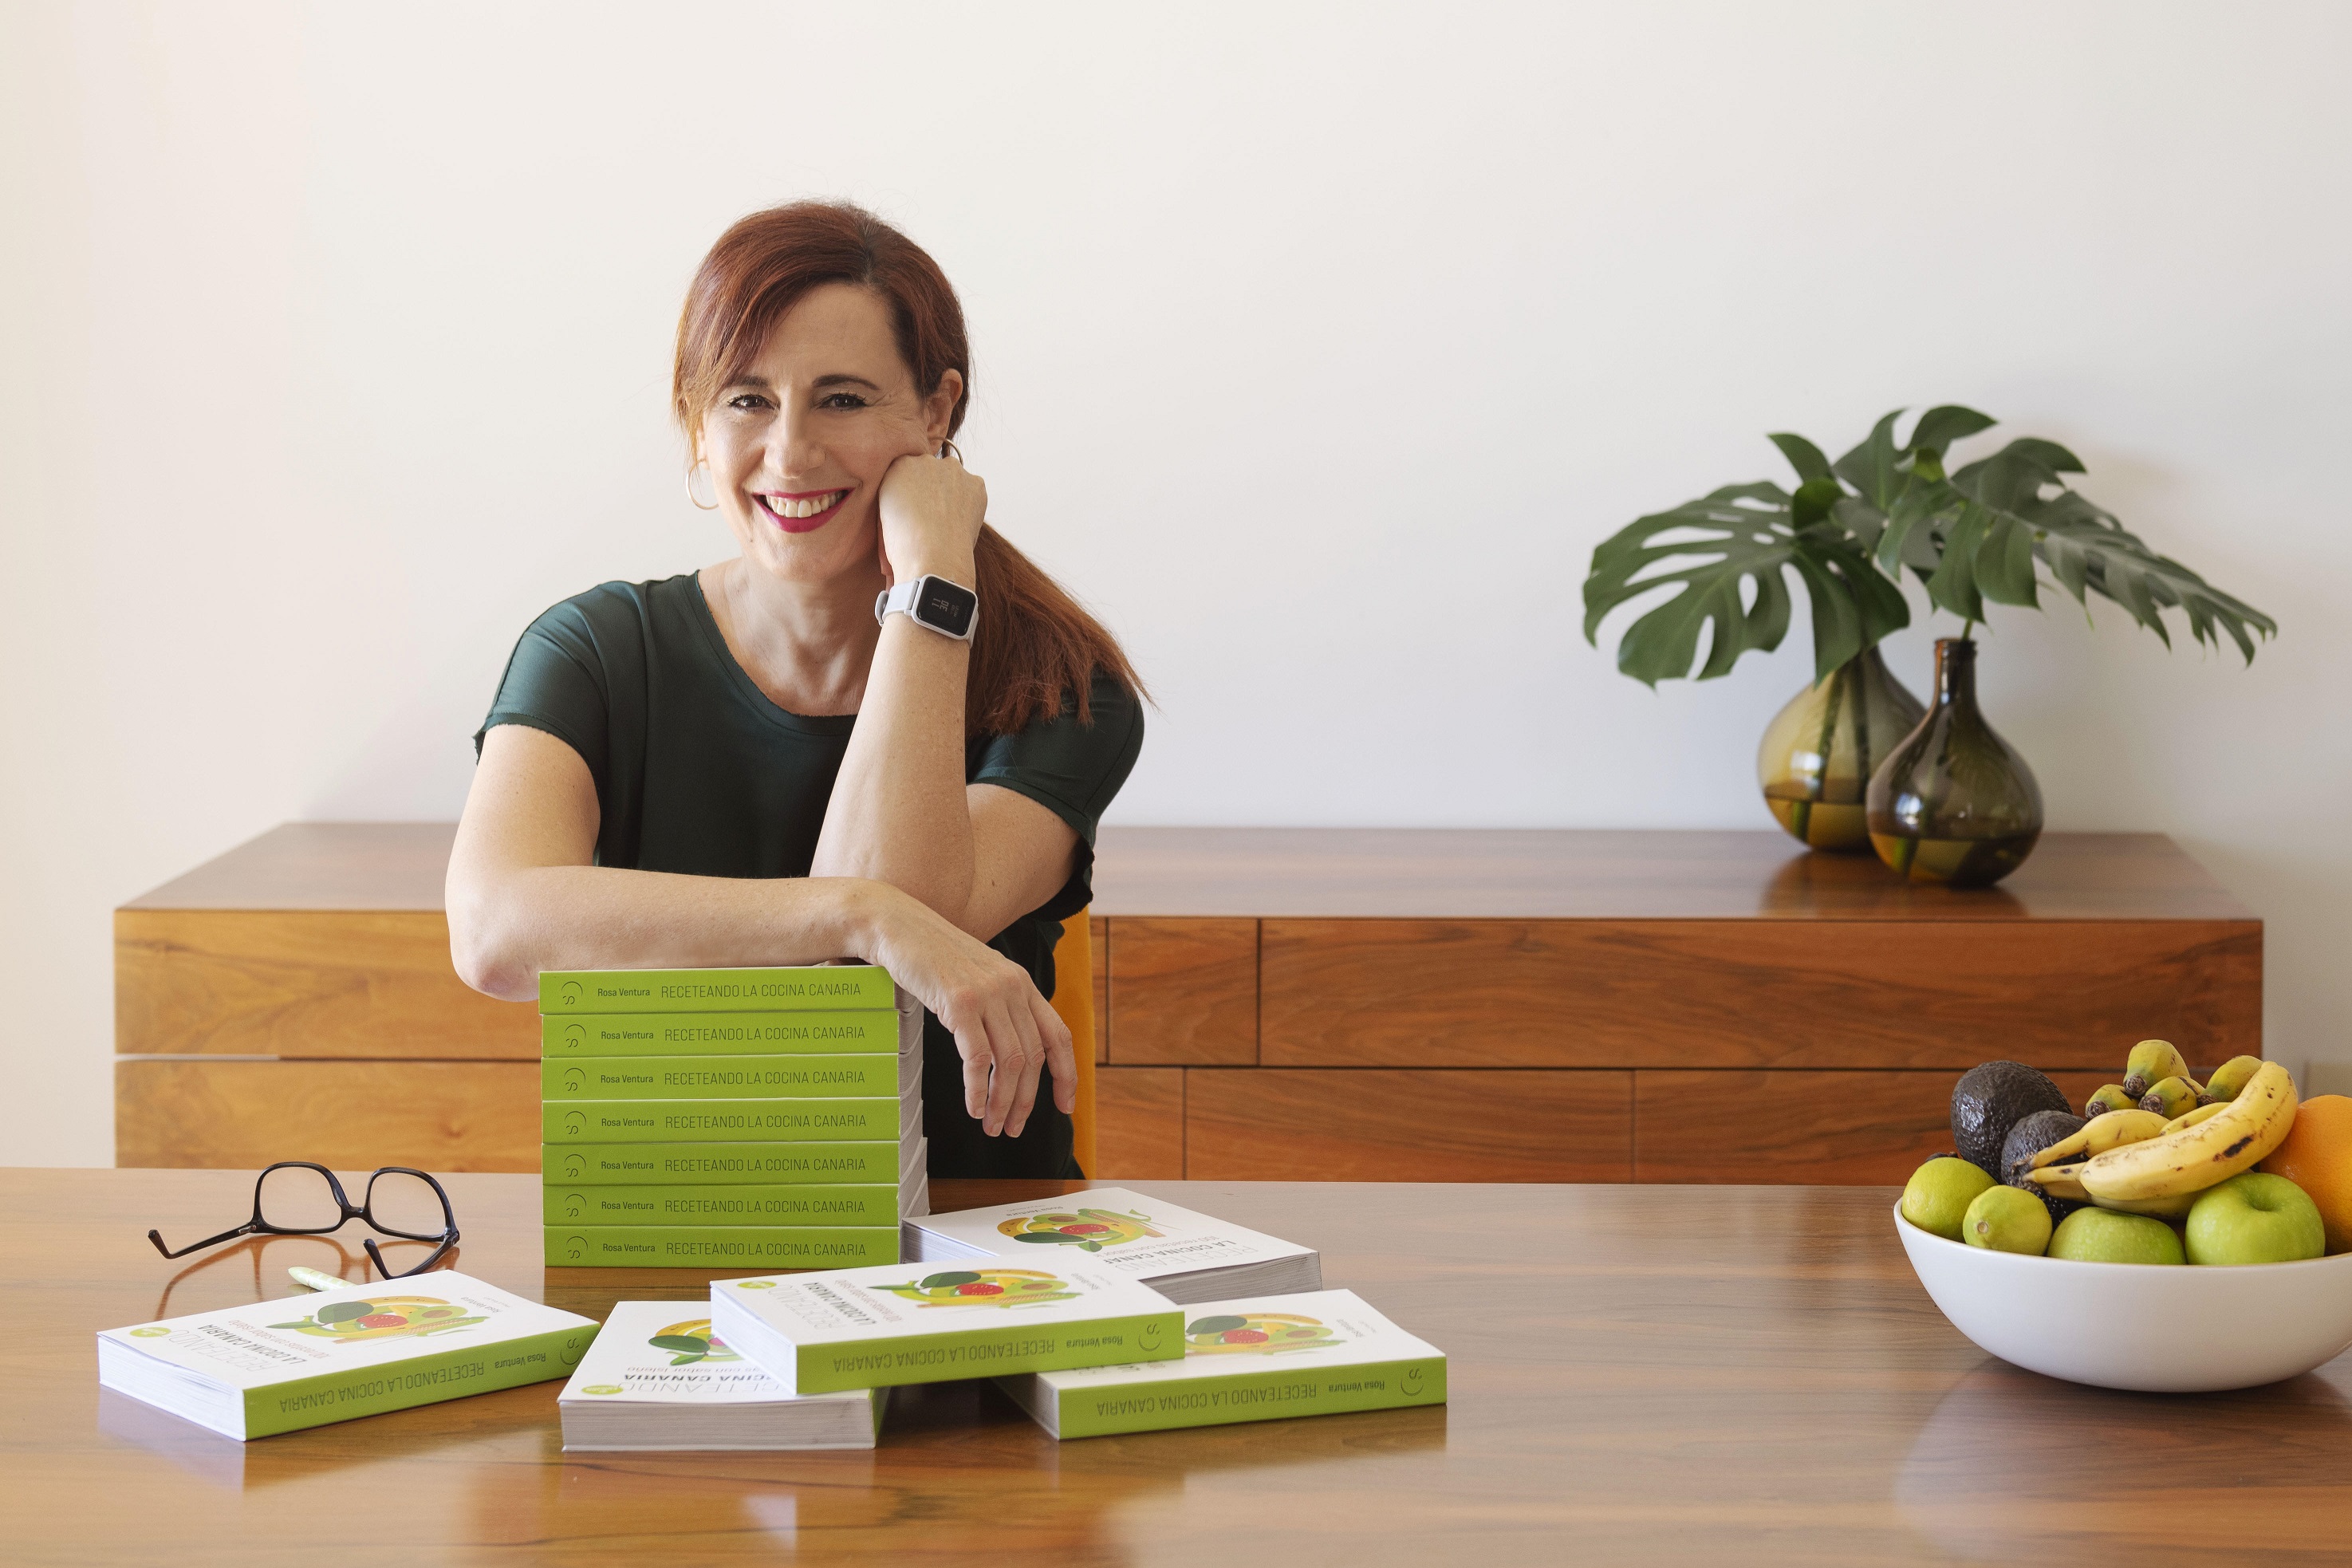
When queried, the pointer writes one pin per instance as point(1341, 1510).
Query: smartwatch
point(948, 608)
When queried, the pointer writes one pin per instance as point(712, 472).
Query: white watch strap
point(897, 599)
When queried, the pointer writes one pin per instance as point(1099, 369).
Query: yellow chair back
point(1074, 999)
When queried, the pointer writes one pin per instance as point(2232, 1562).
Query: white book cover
point(658, 1377)
point(902, 1323)
point(1258, 1357)
point(306, 1361)
point(1125, 1231)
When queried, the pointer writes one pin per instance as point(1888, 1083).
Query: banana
point(2111, 1097)
point(2191, 1118)
point(2231, 1076)
point(2235, 1138)
point(2173, 1097)
point(2101, 1133)
point(2152, 1061)
point(2065, 1182)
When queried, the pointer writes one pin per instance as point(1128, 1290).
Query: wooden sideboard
point(1286, 1003)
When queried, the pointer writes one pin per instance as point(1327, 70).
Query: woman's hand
point(1003, 1029)
point(932, 510)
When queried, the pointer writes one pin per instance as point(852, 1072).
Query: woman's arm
point(523, 897)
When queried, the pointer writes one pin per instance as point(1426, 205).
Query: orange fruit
point(2318, 1157)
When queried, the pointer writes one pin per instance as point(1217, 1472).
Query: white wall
point(1317, 347)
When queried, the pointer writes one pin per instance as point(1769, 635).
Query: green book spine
point(427, 1380)
point(765, 1164)
point(989, 1353)
point(816, 988)
point(803, 1204)
point(722, 1247)
point(716, 1120)
point(1273, 1394)
point(719, 1077)
point(717, 1034)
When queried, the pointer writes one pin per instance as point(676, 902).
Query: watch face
point(943, 603)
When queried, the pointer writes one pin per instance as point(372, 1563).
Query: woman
point(758, 762)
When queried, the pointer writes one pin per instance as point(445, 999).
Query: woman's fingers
point(1032, 1061)
point(1061, 1053)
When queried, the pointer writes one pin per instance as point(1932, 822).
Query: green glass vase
point(1820, 751)
point(1955, 802)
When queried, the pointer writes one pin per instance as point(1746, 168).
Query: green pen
point(316, 1280)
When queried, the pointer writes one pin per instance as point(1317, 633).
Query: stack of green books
point(699, 1118)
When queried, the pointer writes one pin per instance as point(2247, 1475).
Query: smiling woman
point(878, 732)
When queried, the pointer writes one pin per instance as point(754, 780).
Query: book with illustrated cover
point(750, 1163)
point(1186, 1256)
point(657, 1378)
point(731, 1121)
point(720, 1077)
point(1261, 1358)
point(563, 1035)
point(875, 1328)
point(308, 1360)
point(720, 1246)
point(803, 1202)
point(821, 987)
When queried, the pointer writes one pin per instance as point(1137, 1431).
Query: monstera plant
point(1851, 532)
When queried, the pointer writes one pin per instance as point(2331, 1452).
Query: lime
point(2006, 1219)
point(1939, 1194)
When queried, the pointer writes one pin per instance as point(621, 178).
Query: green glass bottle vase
point(1954, 803)
point(1820, 751)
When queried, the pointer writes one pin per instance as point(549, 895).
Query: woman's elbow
point(486, 944)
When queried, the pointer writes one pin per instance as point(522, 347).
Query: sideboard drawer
point(1751, 993)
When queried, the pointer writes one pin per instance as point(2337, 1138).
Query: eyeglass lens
point(404, 1204)
point(295, 1198)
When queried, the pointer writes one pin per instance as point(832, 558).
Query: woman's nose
point(794, 447)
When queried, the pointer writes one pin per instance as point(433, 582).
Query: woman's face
point(798, 445)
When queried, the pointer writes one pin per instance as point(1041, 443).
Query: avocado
point(1990, 1099)
point(2031, 1135)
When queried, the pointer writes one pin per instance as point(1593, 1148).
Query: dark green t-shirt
point(698, 773)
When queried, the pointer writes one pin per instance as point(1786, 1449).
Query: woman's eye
point(747, 401)
point(842, 400)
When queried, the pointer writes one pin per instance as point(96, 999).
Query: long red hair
point(1036, 649)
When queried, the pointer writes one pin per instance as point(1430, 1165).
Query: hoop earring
point(949, 449)
point(697, 500)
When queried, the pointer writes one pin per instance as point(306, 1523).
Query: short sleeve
point(557, 680)
point(1073, 770)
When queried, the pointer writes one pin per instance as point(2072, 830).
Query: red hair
point(1036, 649)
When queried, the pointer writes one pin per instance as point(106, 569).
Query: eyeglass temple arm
point(385, 1269)
point(198, 1246)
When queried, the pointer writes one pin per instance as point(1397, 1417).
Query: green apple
point(1938, 1195)
point(2255, 1218)
point(2007, 1219)
point(2103, 1235)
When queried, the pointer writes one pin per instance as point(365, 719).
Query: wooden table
point(1639, 1374)
point(1290, 1004)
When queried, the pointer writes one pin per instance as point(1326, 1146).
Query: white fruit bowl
point(2158, 1328)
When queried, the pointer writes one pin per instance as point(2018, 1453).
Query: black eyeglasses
point(295, 1197)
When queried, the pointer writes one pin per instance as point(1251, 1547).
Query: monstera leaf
point(1728, 556)
point(1851, 531)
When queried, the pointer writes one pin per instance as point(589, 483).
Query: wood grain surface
point(441, 1116)
point(1638, 1375)
point(1140, 1114)
point(305, 983)
point(1184, 993)
point(1272, 1124)
point(1776, 993)
point(1590, 874)
point(1843, 1128)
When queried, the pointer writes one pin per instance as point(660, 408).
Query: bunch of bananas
point(2161, 1138)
